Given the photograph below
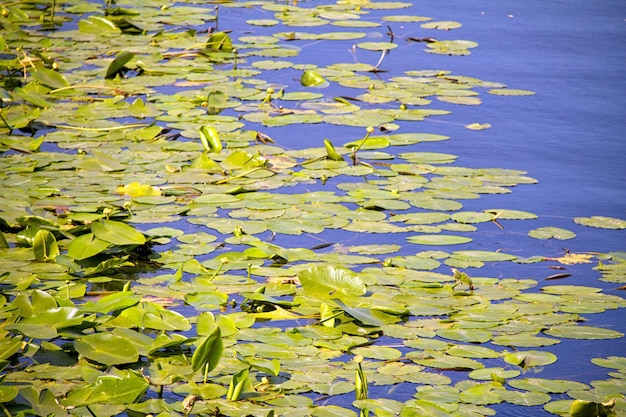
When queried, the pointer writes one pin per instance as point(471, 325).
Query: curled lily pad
point(118, 63)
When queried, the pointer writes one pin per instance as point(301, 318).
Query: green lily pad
point(438, 240)
point(529, 358)
point(601, 222)
point(107, 349)
point(377, 46)
point(582, 332)
point(510, 92)
point(551, 233)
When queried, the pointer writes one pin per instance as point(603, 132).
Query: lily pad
point(437, 240)
point(551, 233)
point(601, 222)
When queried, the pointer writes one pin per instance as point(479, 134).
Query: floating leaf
point(86, 246)
point(107, 349)
point(529, 358)
point(117, 233)
point(601, 222)
point(109, 389)
point(582, 332)
point(442, 25)
point(329, 281)
point(510, 92)
point(551, 233)
point(478, 126)
point(136, 189)
point(377, 46)
point(437, 240)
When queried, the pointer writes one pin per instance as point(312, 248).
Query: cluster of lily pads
point(161, 253)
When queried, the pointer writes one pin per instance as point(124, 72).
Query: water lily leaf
point(510, 92)
point(463, 100)
point(466, 335)
point(484, 256)
point(447, 362)
point(438, 240)
point(121, 59)
point(301, 96)
point(210, 139)
point(471, 351)
point(98, 25)
point(109, 389)
point(219, 41)
point(417, 408)
point(312, 78)
point(117, 233)
point(441, 25)
point(546, 385)
point(601, 222)
point(136, 189)
point(551, 233)
point(573, 258)
point(400, 139)
point(7, 393)
point(584, 408)
point(208, 353)
point(614, 362)
point(331, 153)
point(490, 373)
point(507, 214)
point(34, 330)
point(377, 46)
point(405, 18)
point(269, 366)
point(478, 126)
point(383, 353)
point(262, 22)
point(35, 99)
point(367, 316)
point(373, 142)
point(272, 65)
point(45, 246)
point(113, 302)
point(106, 348)
point(9, 346)
point(523, 340)
point(451, 47)
point(529, 358)
point(582, 332)
point(328, 281)
point(86, 246)
point(472, 217)
point(483, 393)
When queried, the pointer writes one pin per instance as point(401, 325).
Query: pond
point(312, 208)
